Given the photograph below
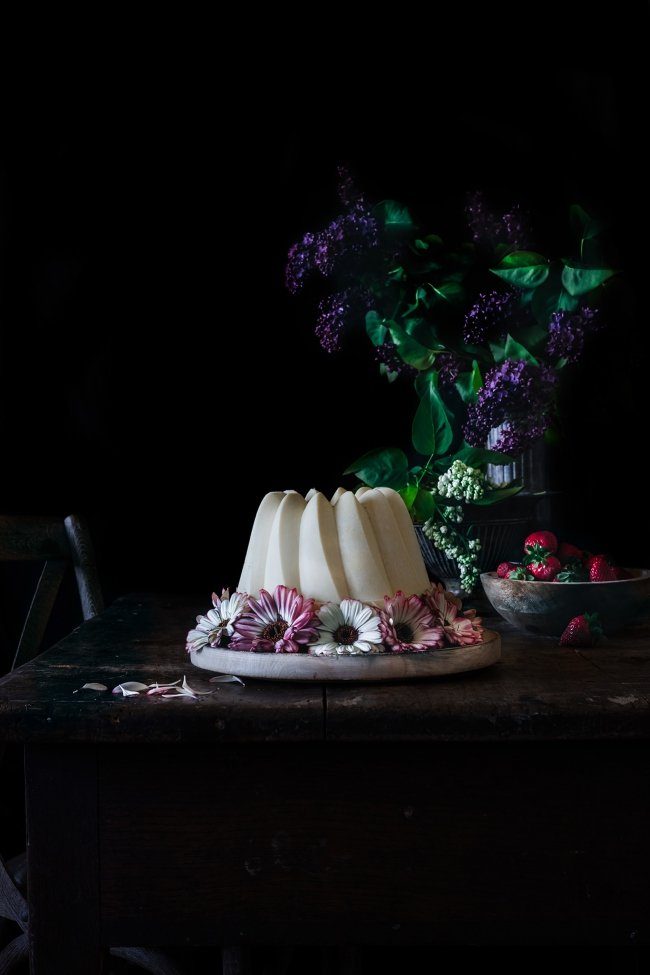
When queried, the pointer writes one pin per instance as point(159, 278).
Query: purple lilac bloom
point(489, 315)
point(488, 227)
point(387, 354)
point(567, 333)
point(448, 366)
point(517, 394)
point(347, 190)
point(350, 234)
point(335, 313)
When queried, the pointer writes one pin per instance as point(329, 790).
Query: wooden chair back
point(59, 544)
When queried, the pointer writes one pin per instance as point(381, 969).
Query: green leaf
point(551, 297)
point(523, 269)
point(469, 383)
point(385, 371)
point(397, 274)
point(423, 332)
point(421, 383)
point(409, 494)
point(411, 351)
point(450, 291)
point(432, 432)
point(512, 350)
point(382, 468)
point(420, 297)
point(423, 506)
point(480, 456)
point(395, 216)
point(584, 226)
point(533, 336)
point(580, 280)
point(375, 328)
point(498, 494)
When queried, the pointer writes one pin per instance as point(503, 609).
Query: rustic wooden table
point(509, 806)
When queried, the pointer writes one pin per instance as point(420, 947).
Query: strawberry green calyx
point(573, 572)
point(594, 624)
point(536, 553)
point(520, 573)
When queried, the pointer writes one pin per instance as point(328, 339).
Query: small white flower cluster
point(453, 513)
point(463, 552)
point(462, 483)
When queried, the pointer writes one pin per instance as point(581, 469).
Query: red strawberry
point(542, 539)
point(582, 631)
point(569, 553)
point(504, 568)
point(600, 570)
point(544, 568)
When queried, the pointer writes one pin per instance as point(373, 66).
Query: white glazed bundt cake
point(360, 546)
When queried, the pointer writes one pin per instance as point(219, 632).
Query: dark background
point(143, 234)
point(144, 318)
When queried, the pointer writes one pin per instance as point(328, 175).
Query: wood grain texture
point(363, 667)
point(61, 799)
point(33, 539)
point(537, 691)
point(144, 639)
point(445, 843)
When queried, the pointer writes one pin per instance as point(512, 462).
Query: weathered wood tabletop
point(539, 690)
point(507, 806)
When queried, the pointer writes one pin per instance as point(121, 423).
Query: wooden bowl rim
point(639, 577)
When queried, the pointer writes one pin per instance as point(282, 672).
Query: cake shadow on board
point(357, 545)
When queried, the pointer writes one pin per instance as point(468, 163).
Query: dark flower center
point(218, 634)
point(345, 635)
point(403, 632)
point(275, 631)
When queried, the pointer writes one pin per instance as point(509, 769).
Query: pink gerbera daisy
point(406, 624)
point(462, 630)
point(282, 622)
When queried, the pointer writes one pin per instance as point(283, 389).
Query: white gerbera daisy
point(349, 628)
point(216, 627)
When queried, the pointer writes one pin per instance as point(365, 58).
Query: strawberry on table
point(541, 539)
point(569, 553)
point(582, 631)
point(600, 570)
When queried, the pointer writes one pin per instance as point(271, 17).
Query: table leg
point(63, 860)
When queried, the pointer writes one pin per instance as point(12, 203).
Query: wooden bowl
point(547, 607)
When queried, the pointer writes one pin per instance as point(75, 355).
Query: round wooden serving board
point(379, 666)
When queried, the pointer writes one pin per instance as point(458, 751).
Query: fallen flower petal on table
point(130, 688)
point(188, 690)
point(161, 688)
point(227, 679)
